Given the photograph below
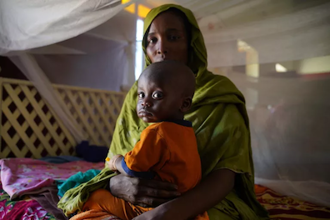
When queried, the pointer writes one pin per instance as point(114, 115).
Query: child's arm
point(118, 164)
point(115, 164)
point(149, 152)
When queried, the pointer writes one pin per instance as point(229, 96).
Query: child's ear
point(186, 104)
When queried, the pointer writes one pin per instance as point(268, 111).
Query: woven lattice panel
point(30, 128)
point(96, 111)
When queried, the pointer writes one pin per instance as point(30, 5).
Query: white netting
point(276, 52)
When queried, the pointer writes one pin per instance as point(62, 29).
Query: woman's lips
point(160, 59)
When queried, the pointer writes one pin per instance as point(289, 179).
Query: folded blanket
point(75, 180)
point(48, 200)
point(21, 176)
point(92, 153)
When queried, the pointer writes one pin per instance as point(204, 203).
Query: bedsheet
point(25, 208)
point(21, 176)
point(282, 207)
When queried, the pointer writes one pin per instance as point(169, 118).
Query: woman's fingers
point(159, 184)
point(153, 193)
point(157, 193)
point(157, 189)
point(147, 193)
point(146, 202)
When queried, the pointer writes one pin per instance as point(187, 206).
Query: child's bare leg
point(103, 200)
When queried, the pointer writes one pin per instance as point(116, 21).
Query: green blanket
point(221, 126)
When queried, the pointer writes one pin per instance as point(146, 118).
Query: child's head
point(165, 91)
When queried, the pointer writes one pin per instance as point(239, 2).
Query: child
point(167, 149)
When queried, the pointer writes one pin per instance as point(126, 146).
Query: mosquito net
point(276, 52)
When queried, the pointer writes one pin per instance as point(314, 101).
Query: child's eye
point(141, 95)
point(157, 95)
point(152, 40)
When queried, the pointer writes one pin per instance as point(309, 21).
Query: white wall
point(314, 65)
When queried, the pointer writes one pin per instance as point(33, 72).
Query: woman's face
point(167, 39)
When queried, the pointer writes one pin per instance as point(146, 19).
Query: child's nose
point(147, 104)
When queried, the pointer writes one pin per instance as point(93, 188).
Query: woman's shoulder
point(232, 117)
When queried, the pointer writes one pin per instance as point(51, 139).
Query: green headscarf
point(221, 126)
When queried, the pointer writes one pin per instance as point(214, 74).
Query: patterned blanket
point(287, 208)
point(26, 209)
point(21, 176)
point(280, 207)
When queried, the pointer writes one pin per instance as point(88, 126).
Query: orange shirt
point(166, 151)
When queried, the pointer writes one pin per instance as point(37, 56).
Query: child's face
point(158, 101)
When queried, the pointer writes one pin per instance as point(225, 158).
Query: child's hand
point(112, 162)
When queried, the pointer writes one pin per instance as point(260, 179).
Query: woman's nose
point(162, 47)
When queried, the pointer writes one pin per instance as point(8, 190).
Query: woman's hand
point(142, 192)
point(204, 196)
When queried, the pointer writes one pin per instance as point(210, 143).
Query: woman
point(220, 122)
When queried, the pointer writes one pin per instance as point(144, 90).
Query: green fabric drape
point(221, 126)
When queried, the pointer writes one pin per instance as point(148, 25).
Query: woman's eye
point(173, 37)
point(141, 95)
point(157, 95)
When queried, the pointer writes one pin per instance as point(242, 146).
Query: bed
point(279, 207)
point(31, 130)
